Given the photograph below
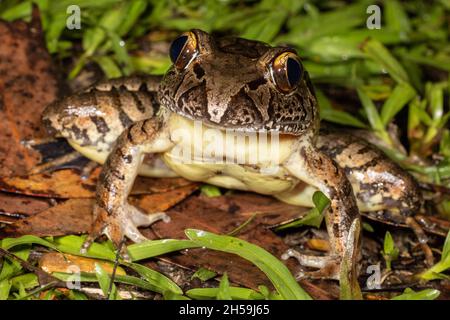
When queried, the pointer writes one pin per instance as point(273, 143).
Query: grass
point(395, 76)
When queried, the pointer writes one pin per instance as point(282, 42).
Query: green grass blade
point(224, 288)
point(275, 270)
point(21, 10)
point(148, 249)
point(315, 216)
point(380, 54)
point(396, 18)
point(210, 191)
point(402, 94)
point(427, 294)
point(124, 279)
point(446, 248)
point(204, 274)
point(9, 243)
point(5, 287)
point(236, 293)
point(73, 244)
point(109, 67)
point(443, 265)
point(336, 116)
point(155, 278)
point(105, 283)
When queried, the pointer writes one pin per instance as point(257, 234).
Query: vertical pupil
point(176, 47)
point(294, 71)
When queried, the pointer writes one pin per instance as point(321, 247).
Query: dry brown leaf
point(68, 184)
point(14, 207)
point(67, 263)
point(28, 82)
point(74, 216)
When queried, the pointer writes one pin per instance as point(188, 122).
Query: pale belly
point(243, 161)
point(233, 176)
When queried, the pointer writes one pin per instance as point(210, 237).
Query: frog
point(139, 124)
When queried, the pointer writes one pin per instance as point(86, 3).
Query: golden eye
point(287, 71)
point(183, 50)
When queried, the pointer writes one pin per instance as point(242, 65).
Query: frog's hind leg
point(56, 163)
point(379, 184)
point(315, 168)
point(423, 240)
point(56, 154)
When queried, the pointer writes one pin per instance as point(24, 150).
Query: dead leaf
point(13, 207)
point(74, 216)
point(162, 201)
point(268, 210)
point(67, 263)
point(68, 184)
point(28, 82)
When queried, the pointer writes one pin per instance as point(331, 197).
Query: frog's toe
point(141, 219)
point(103, 224)
point(328, 266)
point(131, 231)
point(122, 224)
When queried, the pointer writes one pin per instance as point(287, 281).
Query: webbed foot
point(329, 267)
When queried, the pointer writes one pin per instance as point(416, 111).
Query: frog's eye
point(183, 50)
point(287, 71)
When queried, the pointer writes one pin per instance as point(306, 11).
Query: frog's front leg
point(113, 215)
point(342, 218)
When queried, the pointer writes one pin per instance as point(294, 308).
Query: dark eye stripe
point(176, 47)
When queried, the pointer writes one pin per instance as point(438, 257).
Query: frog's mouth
point(262, 127)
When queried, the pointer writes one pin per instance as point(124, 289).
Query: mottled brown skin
point(229, 83)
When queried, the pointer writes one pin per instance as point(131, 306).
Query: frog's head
point(238, 84)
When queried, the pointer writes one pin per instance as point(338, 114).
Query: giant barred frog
point(132, 125)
